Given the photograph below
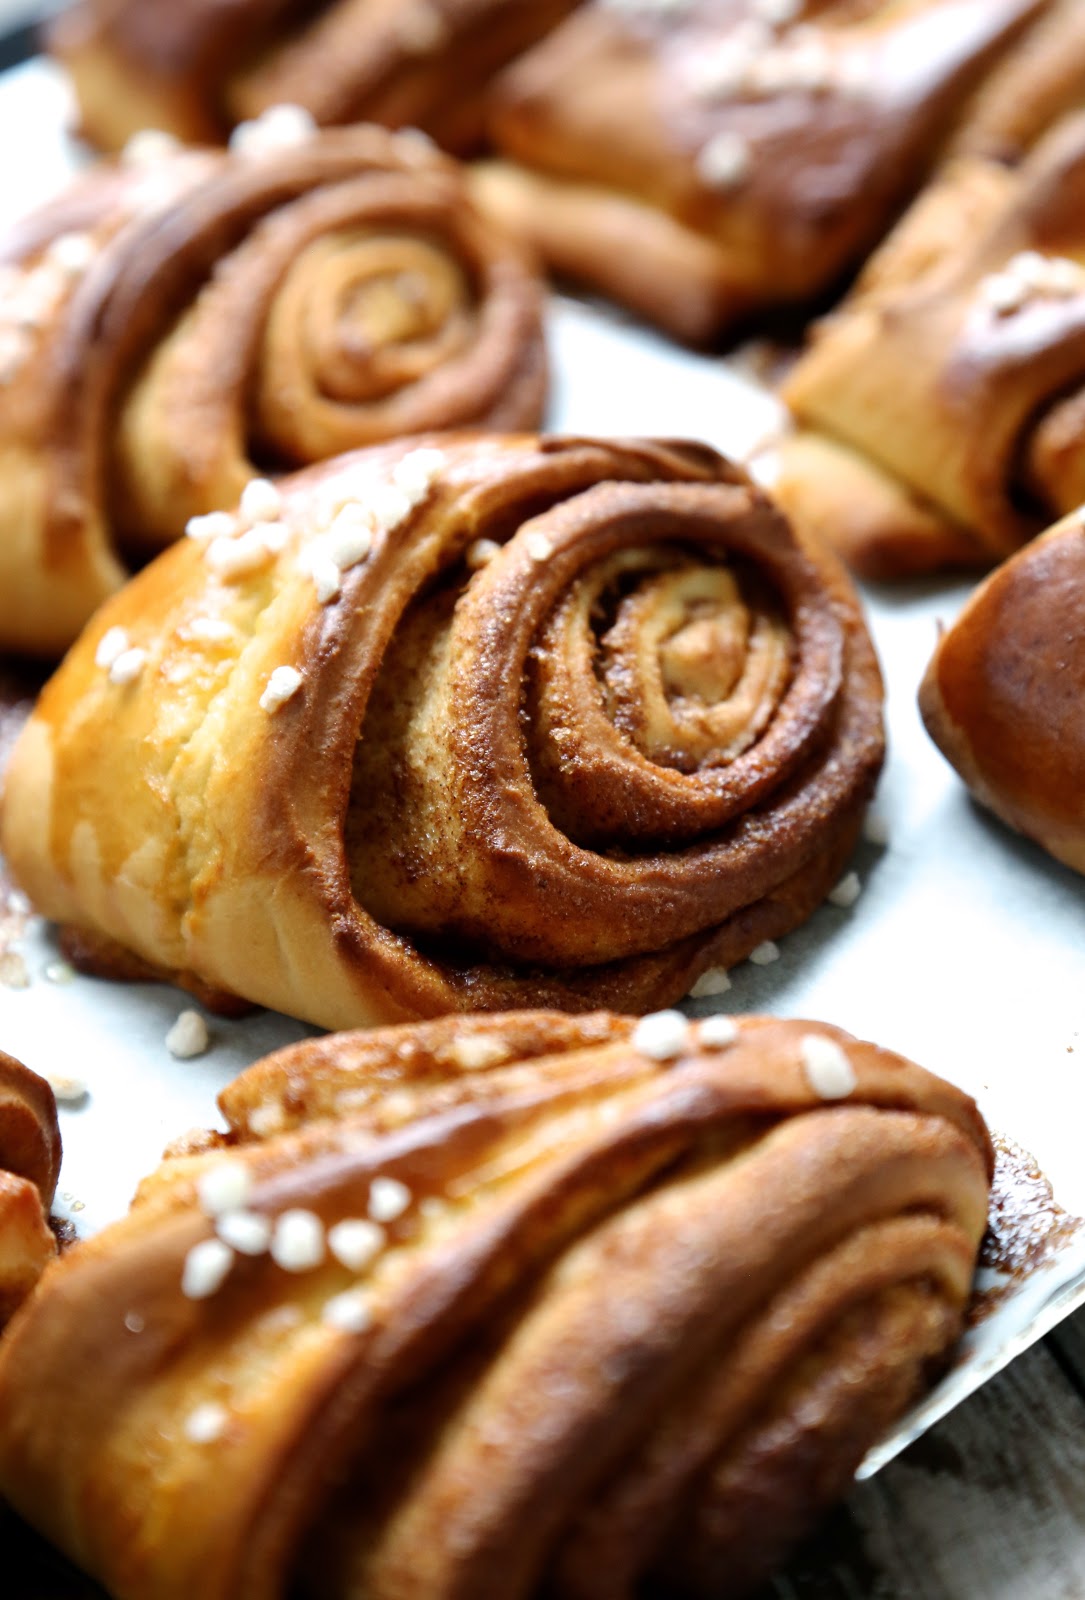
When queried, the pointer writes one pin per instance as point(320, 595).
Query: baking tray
point(964, 949)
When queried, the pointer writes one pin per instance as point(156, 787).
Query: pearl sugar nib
point(827, 1067)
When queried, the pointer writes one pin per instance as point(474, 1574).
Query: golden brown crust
point(949, 368)
point(629, 1319)
point(213, 311)
point(197, 67)
point(1002, 696)
point(634, 745)
point(1040, 81)
point(29, 1167)
point(783, 153)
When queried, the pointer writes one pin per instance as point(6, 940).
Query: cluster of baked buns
point(387, 710)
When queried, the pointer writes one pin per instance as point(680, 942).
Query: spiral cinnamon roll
point(179, 325)
point(1003, 693)
point(474, 723)
point(501, 1308)
point(942, 408)
point(197, 67)
point(29, 1168)
point(705, 160)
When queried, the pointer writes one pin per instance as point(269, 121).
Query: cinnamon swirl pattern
point(29, 1168)
point(182, 323)
point(197, 67)
point(475, 722)
point(704, 160)
point(493, 1308)
point(1002, 696)
point(942, 408)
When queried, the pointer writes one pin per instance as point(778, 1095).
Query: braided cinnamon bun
point(706, 160)
point(476, 723)
point(496, 1308)
point(172, 328)
point(29, 1168)
point(942, 407)
point(197, 67)
point(1002, 695)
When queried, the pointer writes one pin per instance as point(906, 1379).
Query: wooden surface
point(990, 1505)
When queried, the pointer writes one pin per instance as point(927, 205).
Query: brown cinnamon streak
point(631, 1330)
point(490, 789)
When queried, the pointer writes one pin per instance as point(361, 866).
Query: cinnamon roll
point(1003, 693)
point(501, 1308)
point(941, 409)
point(474, 722)
point(197, 67)
point(708, 159)
point(29, 1168)
point(180, 324)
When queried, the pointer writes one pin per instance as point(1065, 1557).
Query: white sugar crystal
point(188, 1037)
point(350, 537)
point(134, 1322)
point(272, 535)
point(388, 506)
point(828, 1070)
point(226, 1186)
point(267, 1119)
point(661, 1035)
point(778, 12)
point(67, 1087)
point(260, 501)
point(847, 890)
point(207, 1423)
point(149, 147)
point(714, 981)
point(247, 1232)
point(1003, 293)
point(765, 954)
point(347, 1312)
point(213, 525)
point(416, 474)
point(388, 1199)
point(111, 646)
point(237, 558)
point(72, 253)
point(206, 1268)
point(472, 1052)
point(327, 576)
point(356, 1243)
point(1065, 278)
point(716, 1033)
point(212, 629)
point(481, 552)
point(538, 547)
point(725, 161)
point(282, 127)
point(297, 1242)
point(282, 686)
point(128, 666)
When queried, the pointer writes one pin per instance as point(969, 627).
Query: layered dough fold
point(179, 323)
point(941, 409)
point(477, 722)
point(1002, 696)
point(709, 159)
point(197, 67)
point(522, 1309)
point(29, 1168)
